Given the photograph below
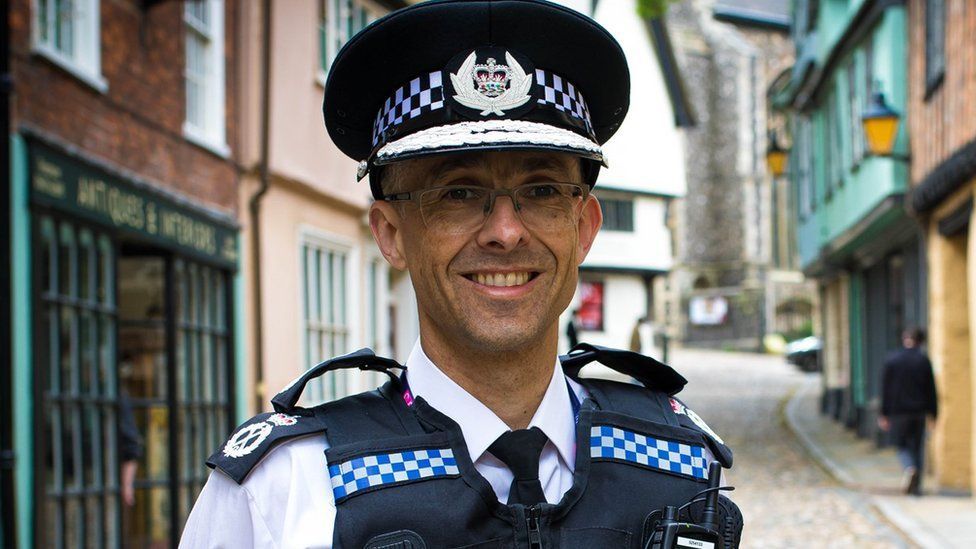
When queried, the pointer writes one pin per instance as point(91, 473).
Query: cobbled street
point(787, 499)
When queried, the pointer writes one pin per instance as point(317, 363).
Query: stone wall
point(722, 226)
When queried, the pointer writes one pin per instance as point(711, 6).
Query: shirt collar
point(479, 425)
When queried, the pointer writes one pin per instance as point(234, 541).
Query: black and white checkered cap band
point(422, 94)
point(563, 95)
point(426, 94)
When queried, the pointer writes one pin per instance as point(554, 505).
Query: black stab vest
point(402, 477)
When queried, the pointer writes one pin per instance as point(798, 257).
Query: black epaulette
point(655, 376)
point(253, 439)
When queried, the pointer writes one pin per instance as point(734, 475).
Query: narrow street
point(787, 499)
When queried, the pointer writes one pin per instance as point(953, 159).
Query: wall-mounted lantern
point(880, 123)
point(776, 156)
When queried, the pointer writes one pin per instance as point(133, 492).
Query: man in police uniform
point(480, 125)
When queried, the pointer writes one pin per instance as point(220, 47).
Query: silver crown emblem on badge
point(490, 87)
point(491, 78)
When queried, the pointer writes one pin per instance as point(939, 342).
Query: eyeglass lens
point(540, 206)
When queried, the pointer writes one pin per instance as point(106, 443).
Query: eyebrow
point(454, 162)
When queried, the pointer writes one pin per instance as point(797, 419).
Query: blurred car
point(805, 353)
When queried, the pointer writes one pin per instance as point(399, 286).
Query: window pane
point(75, 364)
point(339, 291)
point(86, 265)
point(48, 256)
point(67, 261)
point(323, 35)
point(87, 352)
point(66, 13)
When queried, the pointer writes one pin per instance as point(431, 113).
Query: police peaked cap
point(458, 75)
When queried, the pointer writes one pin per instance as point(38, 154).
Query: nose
point(503, 228)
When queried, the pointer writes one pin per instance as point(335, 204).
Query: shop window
point(325, 315)
point(340, 20)
point(67, 33)
point(133, 369)
point(934, 44)
point(174, 367)
point(204, 74)
point(202, 372)
point(78, 479)
point(618, 215)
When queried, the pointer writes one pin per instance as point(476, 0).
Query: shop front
point(131, 368)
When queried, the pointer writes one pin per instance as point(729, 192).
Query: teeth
point(502, 279)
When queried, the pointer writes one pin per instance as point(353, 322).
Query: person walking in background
point(571, 333)
point(908, 402)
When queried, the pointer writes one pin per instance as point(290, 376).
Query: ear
point(384, 222)
point(590, 222)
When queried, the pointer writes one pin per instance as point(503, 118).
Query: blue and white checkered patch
point(608, 442)
point(423, 94)
point(351, 476)
point(563, 95)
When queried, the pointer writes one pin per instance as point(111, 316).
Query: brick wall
point(137, 123)
point(946, 120)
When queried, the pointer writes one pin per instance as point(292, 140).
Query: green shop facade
point(854, 235)
point(124, 316)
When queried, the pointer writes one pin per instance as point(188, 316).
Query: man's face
point(501, 285)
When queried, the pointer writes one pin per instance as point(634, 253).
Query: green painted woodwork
point(846, 186)
point(21, 338)
point(855, 302)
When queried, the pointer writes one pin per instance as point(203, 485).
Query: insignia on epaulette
point(283, 420)
point(255, 438)
point(681, 409)
point(247, 439)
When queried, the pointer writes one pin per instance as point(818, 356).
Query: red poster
point(591, 306)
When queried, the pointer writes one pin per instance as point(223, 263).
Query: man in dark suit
point(908, 402)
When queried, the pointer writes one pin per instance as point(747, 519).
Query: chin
point(502, 336)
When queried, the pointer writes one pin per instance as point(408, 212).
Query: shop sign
point(708, 310)
point(591, 306)
point(64, 183)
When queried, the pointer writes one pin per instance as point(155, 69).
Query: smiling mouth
point(502, 279)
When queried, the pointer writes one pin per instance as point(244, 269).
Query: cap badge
point(490, 87)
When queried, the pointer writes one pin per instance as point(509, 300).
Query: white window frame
point(85, 60)
point(337, 29)
point(212, 134)
point(310, 237)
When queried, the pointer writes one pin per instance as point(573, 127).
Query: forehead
point(496, 163)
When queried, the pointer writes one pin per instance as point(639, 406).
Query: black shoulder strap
point(364, 359)
point(253, 439)
point(651, 373)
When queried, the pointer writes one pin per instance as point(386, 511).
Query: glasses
point(460, 209)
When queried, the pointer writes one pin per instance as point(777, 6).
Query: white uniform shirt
point(287, 500)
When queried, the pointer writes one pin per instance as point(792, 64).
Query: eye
point(461, 194)
point(542, 190)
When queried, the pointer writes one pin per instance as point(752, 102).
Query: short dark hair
point(915, 333)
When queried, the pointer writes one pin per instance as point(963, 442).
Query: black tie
point(520, 450)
